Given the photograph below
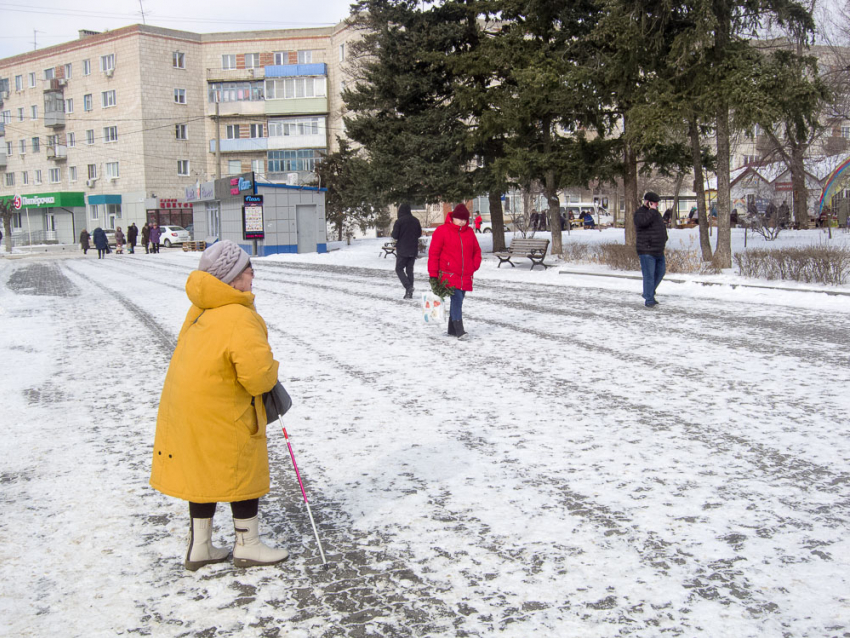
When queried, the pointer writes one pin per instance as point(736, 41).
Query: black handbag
point(277, 402)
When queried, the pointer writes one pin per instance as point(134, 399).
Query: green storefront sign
point(50, 200)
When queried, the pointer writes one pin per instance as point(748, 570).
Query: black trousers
point(239, 509)
point(404, 270)
point(101, 253)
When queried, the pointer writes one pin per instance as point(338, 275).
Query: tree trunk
point(630, 186)
point(800, 199)
point(723, 252)
point(551, 192)
point(699, 189)
point(497, 221)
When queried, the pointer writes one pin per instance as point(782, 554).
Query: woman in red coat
point(453, 258)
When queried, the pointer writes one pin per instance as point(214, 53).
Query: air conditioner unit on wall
point(292, 179)
point(109, 72)
point(90, 182)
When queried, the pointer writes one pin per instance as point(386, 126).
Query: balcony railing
point(57, 152)
point(294, 70)
point(235, 75)
point(3, 158)
point(242, 145)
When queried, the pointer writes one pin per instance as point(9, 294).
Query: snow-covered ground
point(580, 467)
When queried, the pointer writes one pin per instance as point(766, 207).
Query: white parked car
point(171, 235)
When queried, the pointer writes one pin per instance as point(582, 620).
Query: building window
point(19, 82)
point(110, 134)
point(234, 167)
point(236, 92)
point(180, 131)
point(751, 159)
point(68, 69)
point(32, 80)
point(88, 103)
point(50, 73)
point(228, 61)
point(90, 136)
point(112, 170)
point(10, 179)
point(845, 132)
point(114, 210)
point(93, 212)
point(182, 167)
point(178, 60)
point(281, 57)
point(72, 173)
point(38, 176)
point(36, 145)
point(305, 57)
point(296, 126)
point(180, 96)
point(257, 130)
point(231, 132)
point(86, 67)
point(107, 62)
point(107, 99)
point(72, 140)
point(69, 105)
point(54, 175)
point(20, 114)
point(9, 148)
point(342, 52)
point(92, 171)
point(252, 60)
point(7, 117)
point(258, 166)
point(294, 88)
point(34, 112)
point(285, 161)
point(25, 178)
point(23, 147)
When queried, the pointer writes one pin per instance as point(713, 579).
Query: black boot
point(408, 294)
point(459, 332)
point(451, 332)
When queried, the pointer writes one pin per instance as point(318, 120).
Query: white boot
point(201, 550)
point(249, 549)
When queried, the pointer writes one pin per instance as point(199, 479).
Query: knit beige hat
point(224, 260)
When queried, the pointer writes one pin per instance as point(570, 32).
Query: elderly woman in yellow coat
point(210, 441)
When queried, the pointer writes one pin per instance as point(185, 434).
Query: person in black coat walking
point(132, 235)
point(84, 241)
point(100, 242)
point(406, 231)
point(651, 239)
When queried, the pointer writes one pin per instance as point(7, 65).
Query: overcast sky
point(57, 21)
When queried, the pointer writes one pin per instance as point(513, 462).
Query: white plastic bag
point(433, 308)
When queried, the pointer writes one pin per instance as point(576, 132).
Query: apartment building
point(125, 126)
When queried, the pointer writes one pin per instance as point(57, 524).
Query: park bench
point(194, 245)
point(533, 249)
point(388, 248)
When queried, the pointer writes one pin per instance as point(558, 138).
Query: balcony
point(260, 144)
point(57, 152)
point(2, 128)
point(297, 106)
point(3, 157)
point(54, 84)
point(291, 142)
point(293, 70)
point(235, 75)
point(253, 107)
point(54, 119)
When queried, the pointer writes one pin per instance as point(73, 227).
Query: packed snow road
point(580, 467)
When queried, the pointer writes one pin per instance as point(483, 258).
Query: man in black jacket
point(651, 239)
point(406, 231)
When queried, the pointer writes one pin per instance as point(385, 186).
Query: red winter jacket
point(454, 254)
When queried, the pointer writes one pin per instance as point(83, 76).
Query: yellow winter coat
point(210, 440)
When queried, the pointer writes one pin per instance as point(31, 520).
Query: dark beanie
point(460, 212)
point(651, 197)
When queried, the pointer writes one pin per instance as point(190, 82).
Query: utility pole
point(34, 40)
point(142, 7)
point(217, 142)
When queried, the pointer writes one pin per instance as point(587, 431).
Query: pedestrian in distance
point(132, 236)
point(146, 237)
point(406, 231)
point(210, 443)
point(453, 258)
point(119, 241)
point(651, 239)
point(84, 241)
point(100, 242)
point(155, 235)
point(478, 220)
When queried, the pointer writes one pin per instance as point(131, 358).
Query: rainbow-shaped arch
point(832, 183)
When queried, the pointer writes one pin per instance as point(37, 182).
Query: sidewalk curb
point(833, 293)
